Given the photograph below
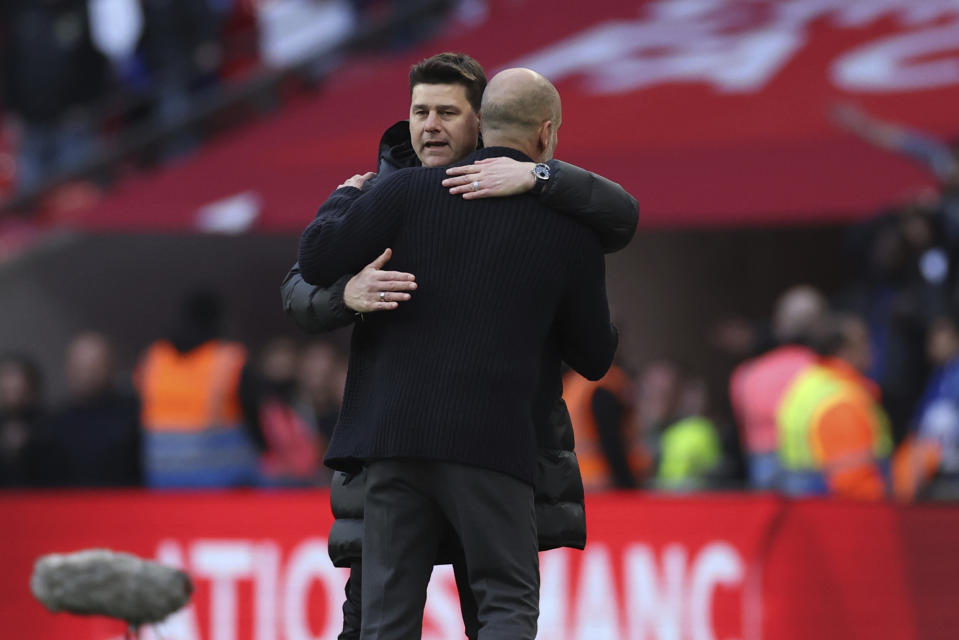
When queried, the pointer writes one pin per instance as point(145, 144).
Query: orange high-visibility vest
point(578, 393)
point(191, 391)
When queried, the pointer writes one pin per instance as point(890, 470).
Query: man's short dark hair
point(452, 68)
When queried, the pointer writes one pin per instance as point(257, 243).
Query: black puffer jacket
point(561, 519)
point(560, 512)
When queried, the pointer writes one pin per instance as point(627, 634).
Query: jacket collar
point(396, 150)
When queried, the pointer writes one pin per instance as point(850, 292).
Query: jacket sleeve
point(588, 339)
point(314, 309)
point(350, 230)
point(601, 204)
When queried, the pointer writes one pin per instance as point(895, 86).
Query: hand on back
point(373, 289)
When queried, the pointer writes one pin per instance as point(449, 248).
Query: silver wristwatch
point(540, 172)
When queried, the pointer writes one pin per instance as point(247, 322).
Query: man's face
point(443, 125)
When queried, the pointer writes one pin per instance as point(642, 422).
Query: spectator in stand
point(199, 412)
point(658, 400)
point(51, 77)
point(927, 463)
point(294, 446)
point(24, 459)
point(833, 435)
point(98, 430)
point(758, 385)
point(607, 443)
point(181, 53)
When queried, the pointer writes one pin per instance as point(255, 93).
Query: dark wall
point(668, 288)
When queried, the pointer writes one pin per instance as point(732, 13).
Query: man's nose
point(432, 121)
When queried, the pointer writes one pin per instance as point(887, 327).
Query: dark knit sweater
point(451, 374)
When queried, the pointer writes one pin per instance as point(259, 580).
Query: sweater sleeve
point(588, 339)
point(601, 204)
point(351, 229)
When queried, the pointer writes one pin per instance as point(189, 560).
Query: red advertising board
point(716, 567)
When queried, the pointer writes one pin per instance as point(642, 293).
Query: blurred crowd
point(803, 409)
point(855, 394)
point(199, 411)
point(811, 402)
point(83, 79)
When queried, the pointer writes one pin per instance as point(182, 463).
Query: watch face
point(541, 171)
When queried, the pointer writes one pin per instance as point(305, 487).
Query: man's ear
point(544, 136)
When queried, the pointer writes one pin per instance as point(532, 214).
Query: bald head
point(521, 109)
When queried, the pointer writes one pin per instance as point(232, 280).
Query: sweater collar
point(494, 152)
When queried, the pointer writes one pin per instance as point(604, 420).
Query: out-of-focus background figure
point(691, 449)
point(927, 464)
point(297, 398)
point(97, 429)
point(757, 386)
point(199, 413)
point(21, 451)
point(608, 446)
point(833, 435)
point(52, 78)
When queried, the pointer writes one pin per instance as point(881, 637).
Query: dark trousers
point(408, 507)
point(351, 606)
point(353, 602)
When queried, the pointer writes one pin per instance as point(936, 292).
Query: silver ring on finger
point(475, 185)
point(382, 296)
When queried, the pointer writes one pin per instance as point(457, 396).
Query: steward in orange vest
point(192, 415)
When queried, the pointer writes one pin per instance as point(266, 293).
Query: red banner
point(699, 568)
point(711, 112)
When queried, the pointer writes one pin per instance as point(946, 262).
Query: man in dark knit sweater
point(598, 203)
point(438, 398)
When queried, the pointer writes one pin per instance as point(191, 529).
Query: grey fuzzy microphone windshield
point(102, 582)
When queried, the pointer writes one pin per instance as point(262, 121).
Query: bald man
point(440, 396)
